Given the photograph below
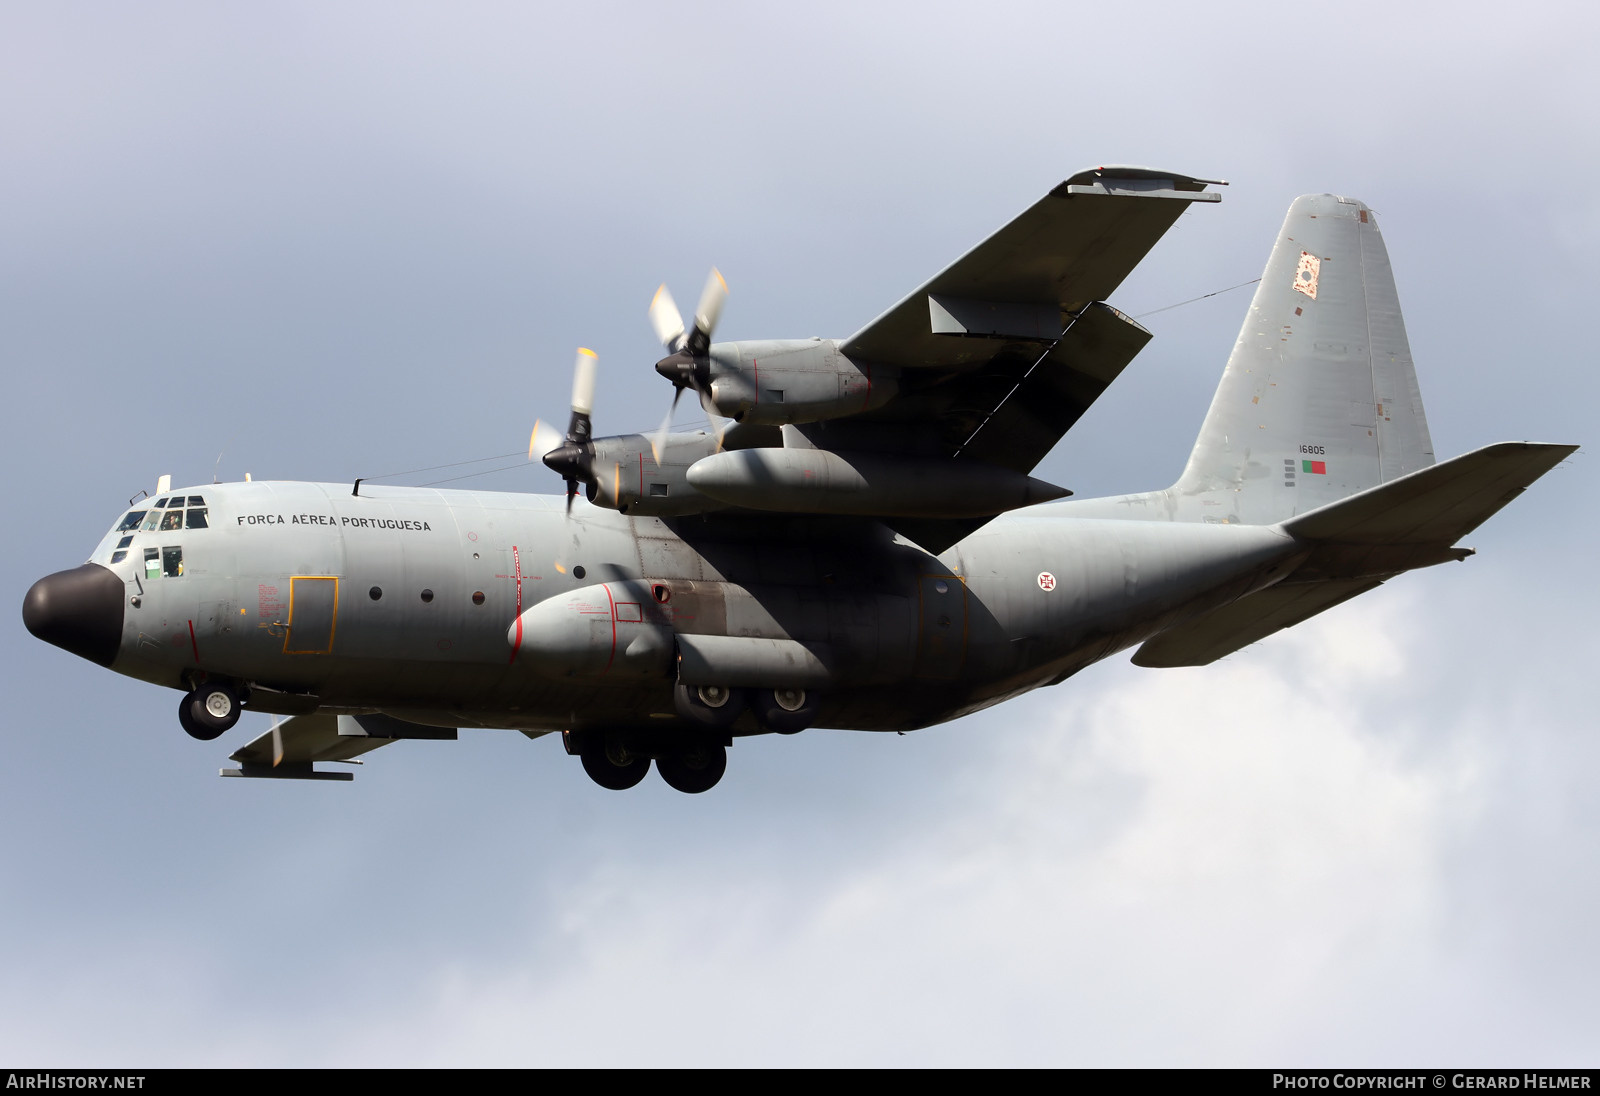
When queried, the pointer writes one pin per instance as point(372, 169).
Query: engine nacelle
point(783, 381)
point(626, 477)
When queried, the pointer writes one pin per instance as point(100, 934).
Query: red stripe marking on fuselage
point(613, 602)
point(192, 644)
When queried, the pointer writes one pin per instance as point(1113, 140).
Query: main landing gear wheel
point(693, 767)
point(209, 712)
point(715, 707)
point(611, 765)
point(787, 711)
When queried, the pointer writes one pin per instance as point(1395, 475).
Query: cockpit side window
point(172, 562)
point(131, 521)
point(172, 519)
point(152, 563)
point(152, 519)
point(196, 500)
point(197, 518)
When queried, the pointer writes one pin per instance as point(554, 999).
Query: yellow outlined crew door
point(313, 612)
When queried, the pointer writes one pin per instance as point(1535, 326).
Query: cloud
point(1242, 864)
point(335, 252)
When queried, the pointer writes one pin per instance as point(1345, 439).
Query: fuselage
point(406, 600)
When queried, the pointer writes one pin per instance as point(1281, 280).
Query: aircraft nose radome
point(79, 611)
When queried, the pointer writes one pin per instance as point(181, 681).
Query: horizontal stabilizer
point(1434, 505)
point(1203, 641)
point(1358, 542)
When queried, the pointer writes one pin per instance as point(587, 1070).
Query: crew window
point(131, 521)
point(196, 500)
point(119, 555)
point(197, 518)
point(172, 562)
point(151, 521)
point(124, 542)
point(152, 563)
point(161, 504)
point(172, 519)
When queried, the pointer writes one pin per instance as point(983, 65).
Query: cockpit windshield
point(171, 514)
point(167, 514)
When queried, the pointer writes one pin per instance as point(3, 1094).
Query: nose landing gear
point(210, 711)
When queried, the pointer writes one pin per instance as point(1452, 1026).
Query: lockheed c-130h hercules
point(857, 541)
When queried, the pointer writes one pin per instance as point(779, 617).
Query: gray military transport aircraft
point(855, 543)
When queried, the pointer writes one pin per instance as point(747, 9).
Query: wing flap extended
point(1055, 393)
point(291, 749)
point(1069, 249)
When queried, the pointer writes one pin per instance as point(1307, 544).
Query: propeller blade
point(712, 298)
point(543, 439)
point(658, 440)
point(583, 379)
point(719, 427)
point(579, 426)
point(570, 457)
point(667, 320)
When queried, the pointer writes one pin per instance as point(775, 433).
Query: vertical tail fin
point(1319, 399)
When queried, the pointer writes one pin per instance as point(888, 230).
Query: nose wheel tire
point(209, 712)
point(611, 765)
point(694, 767)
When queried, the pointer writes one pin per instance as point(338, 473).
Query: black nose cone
point(79, 611)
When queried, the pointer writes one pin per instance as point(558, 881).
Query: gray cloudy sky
point(342, 240)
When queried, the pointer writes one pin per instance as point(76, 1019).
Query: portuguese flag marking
point(1315, 467)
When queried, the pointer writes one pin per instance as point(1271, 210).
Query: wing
point(290, 749)
point(1068, 250)
point(1004, 350)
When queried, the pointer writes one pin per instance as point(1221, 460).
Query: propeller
point(571, 456)
point(686, 364)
